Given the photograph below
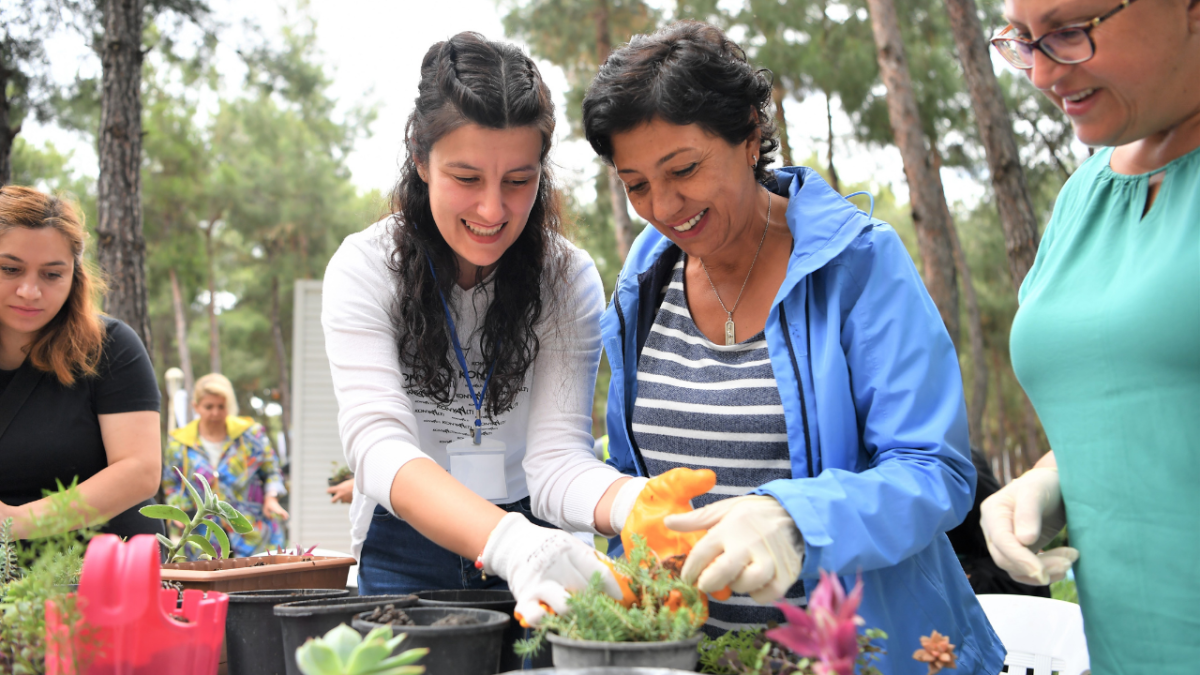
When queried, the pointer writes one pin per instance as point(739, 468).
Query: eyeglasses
point(1067, 45)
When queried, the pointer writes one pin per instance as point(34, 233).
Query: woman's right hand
point(342, 492)
point(1022, 518)
point(542, 566)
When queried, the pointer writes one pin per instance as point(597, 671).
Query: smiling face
point(36, 268)
point(482, 185)
point(1140, 82)
point(694, 187)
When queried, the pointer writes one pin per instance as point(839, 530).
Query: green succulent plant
point(206, 507)
point(343, 651)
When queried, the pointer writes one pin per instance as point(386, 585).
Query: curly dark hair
point(471, 80)
point(686, 73)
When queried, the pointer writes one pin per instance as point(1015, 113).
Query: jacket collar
point(823, 223)
point(189, 434)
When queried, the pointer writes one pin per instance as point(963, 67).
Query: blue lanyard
point(462, 361)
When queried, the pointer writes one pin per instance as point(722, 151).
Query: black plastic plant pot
point(252, 638)
point(299, 621)
point(678, 654)
point(472, 649)
point(497, 600)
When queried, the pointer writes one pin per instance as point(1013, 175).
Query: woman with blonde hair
point(78, 398)
point(235, 456)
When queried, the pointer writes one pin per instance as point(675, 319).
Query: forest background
point(246, 180)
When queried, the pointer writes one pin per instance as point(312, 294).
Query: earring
point(754, 160)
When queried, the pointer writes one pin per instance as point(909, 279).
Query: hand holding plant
point(206, 506)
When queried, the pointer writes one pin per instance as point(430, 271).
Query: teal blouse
point(1107, 345)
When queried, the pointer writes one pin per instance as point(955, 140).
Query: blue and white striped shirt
point(708, 406)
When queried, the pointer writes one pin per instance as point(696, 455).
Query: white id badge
point(479, 467)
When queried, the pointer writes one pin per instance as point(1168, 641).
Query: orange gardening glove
point(627, 597)
point(664, 495)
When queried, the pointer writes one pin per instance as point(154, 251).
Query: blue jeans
point(396, 559)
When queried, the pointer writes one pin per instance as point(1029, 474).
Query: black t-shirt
point(55, 435)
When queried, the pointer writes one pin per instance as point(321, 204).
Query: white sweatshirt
point(547, 433)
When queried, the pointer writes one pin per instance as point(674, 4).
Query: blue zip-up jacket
point(877, 425)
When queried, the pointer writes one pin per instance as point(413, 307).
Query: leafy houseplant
point(665, 608)
point(343, 651)
point(39, 570)
point(207, 507)
point(341, 473)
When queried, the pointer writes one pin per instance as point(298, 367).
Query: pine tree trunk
point(785, 147)
point(185, 355)
point(979, 376)
point(833, 174)
point(622, 225)
point(214, 335)
point(121, 248)
point(995, 128)
point(7, 134)
point(285, 389)
point(926, 194)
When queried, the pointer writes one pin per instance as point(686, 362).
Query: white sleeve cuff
point(584, 493)
point(379, 468)
point(623, 504)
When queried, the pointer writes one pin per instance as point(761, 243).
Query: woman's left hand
point(272, 509)
point(752, 546)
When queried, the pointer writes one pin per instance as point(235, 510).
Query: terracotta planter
point(261, 573)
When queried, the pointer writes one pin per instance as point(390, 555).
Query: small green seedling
point(343, 651)
point(206, 506)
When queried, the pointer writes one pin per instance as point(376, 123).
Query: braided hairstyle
point(471, 80)
point(686, 73)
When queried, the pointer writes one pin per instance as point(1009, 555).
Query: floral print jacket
point(248, 470)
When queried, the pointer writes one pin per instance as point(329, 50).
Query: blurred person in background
point(1105, 340)
point(78, 396)
point(235, 456)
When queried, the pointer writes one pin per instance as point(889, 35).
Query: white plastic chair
point(1042, 636)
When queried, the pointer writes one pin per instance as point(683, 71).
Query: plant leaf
point(342, 640)
point(239, 522)
point(210, 497)
point(403, 659)
point(215, 530)
point(203, 543)
point(366, 656)
point(191, 489)
point(165, 512)
point(165, 542)
point(315, 657)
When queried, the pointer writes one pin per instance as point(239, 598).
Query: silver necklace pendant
point(729, 340)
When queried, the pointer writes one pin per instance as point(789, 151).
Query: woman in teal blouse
point(1107, 338)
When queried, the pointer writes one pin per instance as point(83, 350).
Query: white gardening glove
point(541, 565)
point(1019, 520)
point(624, 501)
point(752, 546)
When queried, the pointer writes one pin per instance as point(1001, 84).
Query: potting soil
point(456, 620)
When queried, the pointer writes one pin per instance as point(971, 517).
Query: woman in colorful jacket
point(235, 456)
point(766, 328)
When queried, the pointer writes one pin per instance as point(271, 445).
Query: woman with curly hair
point(235, 456)
point(767, 329)
point(463, 338)
point(78, 398)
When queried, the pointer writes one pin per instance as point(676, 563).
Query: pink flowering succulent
point(828, 630)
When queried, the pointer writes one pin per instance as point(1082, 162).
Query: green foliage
point(10, 570)
point(666, 609)
point(209, 510)
point(47, 564)
point(749, 652)
point(1065, 590)
point(343, 651)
